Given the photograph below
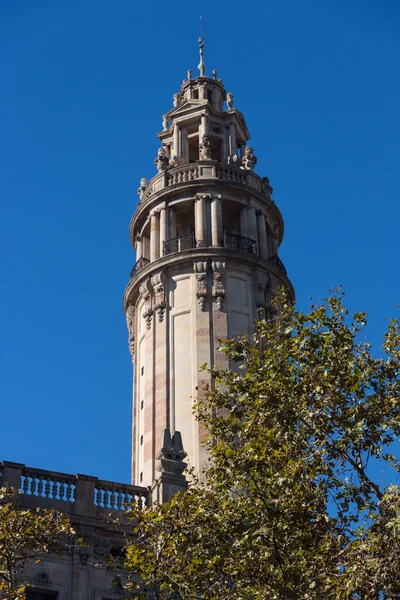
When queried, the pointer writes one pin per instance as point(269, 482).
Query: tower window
point(141, 440)
point(196, 94)
point(141, 405)
point(209, 96)
point(141, 477)
point(142, 370)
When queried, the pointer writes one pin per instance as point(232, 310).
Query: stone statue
point(267, 186)
point(215, 74)
point(189, 74)
point(176, 99)
point(161, 161)
point(249, 161)
point(144, 184)
point(165, 122)
point(205, 147)
point(229, 100)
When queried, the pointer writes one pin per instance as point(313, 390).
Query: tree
point(294, 504)
point(25, 534)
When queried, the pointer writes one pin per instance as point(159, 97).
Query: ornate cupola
point(206, 234)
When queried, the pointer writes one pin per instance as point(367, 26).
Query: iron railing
point(239, 242)
point(277, 261)
point(179, 244)
point(139, 265)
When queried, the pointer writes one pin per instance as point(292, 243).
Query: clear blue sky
point(83, 88)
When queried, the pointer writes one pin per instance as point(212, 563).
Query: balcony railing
point(179, 244)
point(277, 261)
point(238, 242)
point(139, 265)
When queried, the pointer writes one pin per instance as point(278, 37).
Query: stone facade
point(80, 572)
point(206, 234)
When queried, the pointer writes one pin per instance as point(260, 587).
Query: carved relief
point(145, 292)
point(218, 290)
point(200, 268)
point(158, 283)
point(130, 322)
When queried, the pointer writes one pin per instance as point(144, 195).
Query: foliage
point(295, 505)
point(26, 534)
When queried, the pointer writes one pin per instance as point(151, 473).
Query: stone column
point(176, 140)
point(139, 248)
point(203, 126)
point(216, 224)
point(154, 236)
point(184, 146)
point(225, 145)
point(262, 236)
point(146, 246)
point(244, 229)
point(199, 220)
point(172, 224)
point(252, 223)
point(163, 228)
point(232, 140)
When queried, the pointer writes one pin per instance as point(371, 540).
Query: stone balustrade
point(199, 171)
point(73, 494)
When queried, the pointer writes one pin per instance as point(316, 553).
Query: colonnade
point(180, 139)
point(163, 228)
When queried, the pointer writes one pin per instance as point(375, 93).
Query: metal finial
point(202, 66)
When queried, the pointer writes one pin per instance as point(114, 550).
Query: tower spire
point(202, 66)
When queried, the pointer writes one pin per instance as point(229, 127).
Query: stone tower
point(206, 234)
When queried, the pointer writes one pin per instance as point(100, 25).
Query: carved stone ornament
point(273, 290)
point(144, 184)
point(205, 147)
point(145, 292)
point(229, 100)
point(158, 283)
point(249, 161)
point(83, 556)
point(170, 458)
point(130, 322)
point(42, 579)
point(218, 290)
point(200, 269)
point(161, 161)
point(261, 282)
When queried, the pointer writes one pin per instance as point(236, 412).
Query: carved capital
point(145, 293)
point(130, 323)
point(200, 269)
point(158, 283)
point(218, 290)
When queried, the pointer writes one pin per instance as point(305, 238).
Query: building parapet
point(79, 494)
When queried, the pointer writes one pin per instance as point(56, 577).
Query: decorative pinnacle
point(202, 66)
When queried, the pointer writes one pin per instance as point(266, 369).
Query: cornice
point(250, 262)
